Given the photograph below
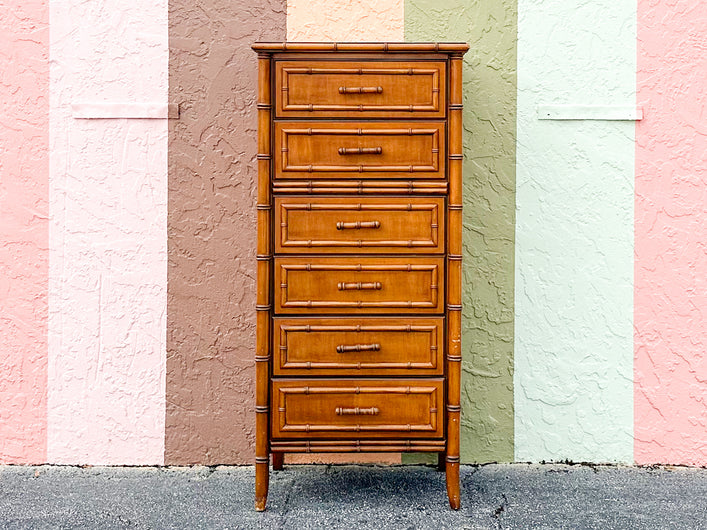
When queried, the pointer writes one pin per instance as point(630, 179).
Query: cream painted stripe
point(574, 234)
point(107, 236)
point(345, 20)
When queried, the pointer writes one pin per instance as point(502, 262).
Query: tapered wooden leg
point(441, 461)
point(278, 459)
point(262, 477)
point(452, 470)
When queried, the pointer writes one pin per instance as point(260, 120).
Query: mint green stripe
point(489, 26)
point(574, 235)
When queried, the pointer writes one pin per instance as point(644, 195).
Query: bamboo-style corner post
point(263, 301)
point(454, 276)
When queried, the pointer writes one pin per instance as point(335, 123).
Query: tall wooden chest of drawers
point(359, 251)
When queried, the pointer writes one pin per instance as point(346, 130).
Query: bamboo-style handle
point(357, 411)
point(360, 150)
point(360, 286)
point(340, 225)
point(343, 348)
point(360, 90)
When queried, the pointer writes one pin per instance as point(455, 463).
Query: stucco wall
point(107, 270)
point(670, 234)
point(212, 192)
point(24, 230)
point(345, 20)
point(574, 231)
point(127, 244)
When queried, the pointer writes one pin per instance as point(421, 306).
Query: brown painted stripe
point(211, 227)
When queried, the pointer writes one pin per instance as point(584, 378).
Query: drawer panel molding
point(359, 150)
point(358, 408)
point(346, 89)
point(336, 225)
point(365, 346)
point(359, 285)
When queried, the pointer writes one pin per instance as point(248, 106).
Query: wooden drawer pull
point(340, 225)
point(360, 90)
point(360, 150)
point(360, 286)
point(342, 348)
point(357, 411)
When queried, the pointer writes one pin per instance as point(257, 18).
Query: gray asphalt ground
point(351, 497)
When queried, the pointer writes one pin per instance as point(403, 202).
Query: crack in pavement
point(498, 512)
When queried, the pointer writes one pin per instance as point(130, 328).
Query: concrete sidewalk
point(406, 497)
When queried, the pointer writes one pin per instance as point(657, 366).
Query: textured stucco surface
point(24, 229)
point(670, 234)
point(212, 228)
point(489, 26)
point(108, 206)
point(574, 234)
point(345, 20)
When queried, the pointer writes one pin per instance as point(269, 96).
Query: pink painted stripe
point(108, 235)
point(24, 183)
point(671, 235)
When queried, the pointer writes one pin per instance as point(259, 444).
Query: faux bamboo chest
point(359, 251)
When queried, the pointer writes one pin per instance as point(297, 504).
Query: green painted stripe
point(489, 26)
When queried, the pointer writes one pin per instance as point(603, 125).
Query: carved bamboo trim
point(360, 150)
point(357, 225)
point(358, 366)
point(286, 133)
point(359, 328)
point(359, 304)
point(402, 389)
point(432, 106)
point(355, 348)
point(359, 191)
point(264, 295)
point(360, 186)
point(358, 243)
point(362, 207)
point(430, 332)
point(357, 411)
point(362, 71)
point(454, 277)
point(358, 446)
point(431, 427)
point(359, 286)
point(287, 207)
point(361, 90)
point(334, 131)
point(361, 168)
point(360, 267)
point(433, 301)
point(385, 47)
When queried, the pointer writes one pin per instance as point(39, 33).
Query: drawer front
point(359, 150)
point(358, 346)
point(359, 225)
point(357, 408)
point(359, 285)
point(360, 88)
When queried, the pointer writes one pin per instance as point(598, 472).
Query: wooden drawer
point(359, 225)
point(361, 346)
point(360, 88)
point(360, 150)
point(359, 285)
point(357, 408)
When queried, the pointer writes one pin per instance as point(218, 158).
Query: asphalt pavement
point(354, 496)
